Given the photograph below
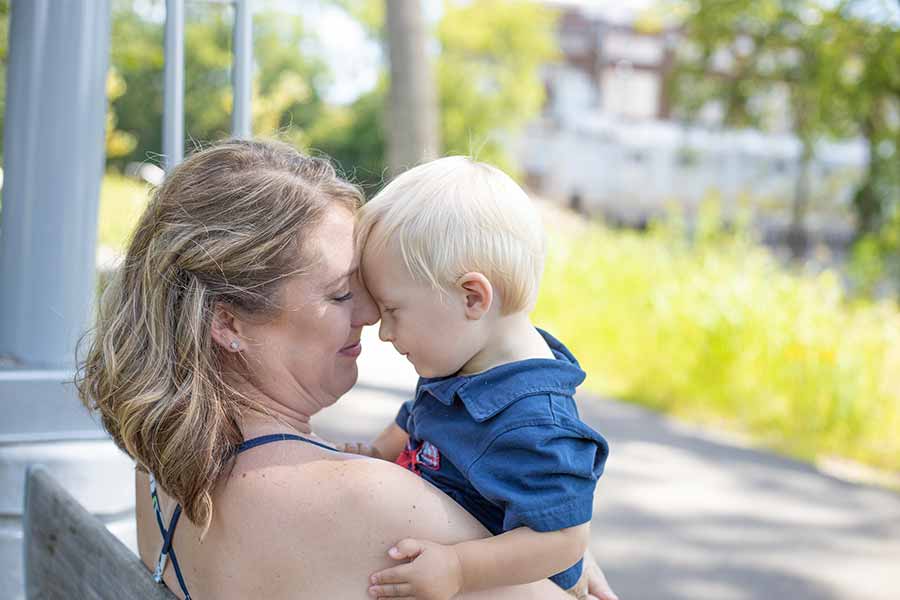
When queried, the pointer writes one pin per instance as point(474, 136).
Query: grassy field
point(121, 201)
point(714, 330)
point(718, 331)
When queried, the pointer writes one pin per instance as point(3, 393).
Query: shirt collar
point(486, 394)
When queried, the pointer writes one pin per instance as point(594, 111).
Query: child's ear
point(225, 329)
point(478, 294)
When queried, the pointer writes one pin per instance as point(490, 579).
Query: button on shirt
point(507, 444)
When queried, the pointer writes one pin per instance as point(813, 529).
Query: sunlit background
point(720, 185)
point(721, 180)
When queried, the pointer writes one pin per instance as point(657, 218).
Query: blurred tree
point(838, 66)
point(412, 112)
point(487, 79)
point(865, 87)
point(488, 76)
point(118, 143)
point(489, 73)
point(353, 136)
point(286, 98)
point(737, 53)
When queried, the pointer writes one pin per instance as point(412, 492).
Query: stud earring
point(235, 345)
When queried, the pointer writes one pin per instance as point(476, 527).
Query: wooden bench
point(70, 554)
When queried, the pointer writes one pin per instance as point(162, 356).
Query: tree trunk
point(865, 200)
point(412, 124)
point(797, 236)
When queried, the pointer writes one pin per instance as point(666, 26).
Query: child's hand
point(358, 448)
point(597, 585)
point(435, 572)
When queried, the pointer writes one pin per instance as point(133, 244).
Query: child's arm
point(390, 442)
point(438, 572)
point(387, 446)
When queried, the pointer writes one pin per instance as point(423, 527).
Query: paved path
point(683, 514)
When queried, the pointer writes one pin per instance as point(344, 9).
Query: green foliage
point(136, 54)
point(718, 330)
point(118, 142)
point(863, 87)
point(354, 138)
point(876, 257)
point(488, 73)
point(122, 200)
point(286, 99)
point(838, 62)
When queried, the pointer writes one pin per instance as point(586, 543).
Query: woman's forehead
point(334, 251)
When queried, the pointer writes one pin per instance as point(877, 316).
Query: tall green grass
point(717, 330)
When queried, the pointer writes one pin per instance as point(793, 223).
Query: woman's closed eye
point(344, 298)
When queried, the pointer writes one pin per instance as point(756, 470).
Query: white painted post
point(242, 72)
point(173, 85)
point(53, 164)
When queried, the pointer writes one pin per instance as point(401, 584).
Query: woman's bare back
point(296, 521)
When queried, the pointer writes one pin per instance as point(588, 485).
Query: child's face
point(427, 326)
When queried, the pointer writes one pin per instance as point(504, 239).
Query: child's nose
point(384, 333)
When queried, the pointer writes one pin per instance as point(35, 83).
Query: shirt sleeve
point(542, 477)
point(403, 415)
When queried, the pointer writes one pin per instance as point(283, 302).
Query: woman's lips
point(352, 351)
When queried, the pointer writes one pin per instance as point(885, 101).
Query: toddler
point(452, 252)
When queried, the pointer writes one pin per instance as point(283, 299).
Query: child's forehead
point(383, 261)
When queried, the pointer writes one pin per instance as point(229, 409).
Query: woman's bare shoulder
point(355, 508)
point(373, 497)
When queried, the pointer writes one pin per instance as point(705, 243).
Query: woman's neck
point(265, 420)
point(263, 414)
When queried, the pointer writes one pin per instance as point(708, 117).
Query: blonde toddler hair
point(455, 215)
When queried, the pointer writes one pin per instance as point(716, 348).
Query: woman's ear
point(225, 328)
point(478, 294)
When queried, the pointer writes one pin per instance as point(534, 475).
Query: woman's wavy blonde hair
point(228, 225)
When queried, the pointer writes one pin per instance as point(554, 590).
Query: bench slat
point(70, 554)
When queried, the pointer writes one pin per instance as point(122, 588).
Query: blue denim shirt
point(508, 445)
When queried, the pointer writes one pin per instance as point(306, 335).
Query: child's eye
point(344, 298)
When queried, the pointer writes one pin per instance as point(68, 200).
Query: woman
point(235, 317)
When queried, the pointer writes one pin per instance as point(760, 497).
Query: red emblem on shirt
point(425, 455)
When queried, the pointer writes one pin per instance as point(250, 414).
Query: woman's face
point(306, 357)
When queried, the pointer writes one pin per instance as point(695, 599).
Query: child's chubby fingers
point(360, 448)
point(392, 590)
point(406, 549)
point(394, 575)
point(391, 583)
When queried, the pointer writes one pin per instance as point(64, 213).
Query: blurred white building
point(608, 143)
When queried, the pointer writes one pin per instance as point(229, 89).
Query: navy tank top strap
point(278, 437)
point(168, 552)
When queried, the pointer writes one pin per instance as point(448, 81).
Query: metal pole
point(173, 107)
point(53, 162)
point(243, 69)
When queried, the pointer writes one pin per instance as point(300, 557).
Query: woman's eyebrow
point(349, 273)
